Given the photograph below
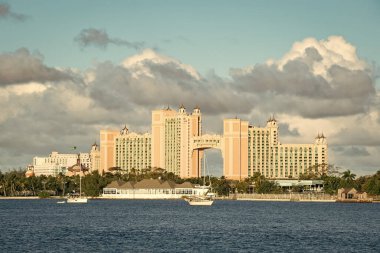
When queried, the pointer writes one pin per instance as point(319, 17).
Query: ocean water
point(174, 226)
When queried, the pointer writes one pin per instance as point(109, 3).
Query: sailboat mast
point(80, 184)
point(204, 169)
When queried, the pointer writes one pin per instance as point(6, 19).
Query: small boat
point(77, 200)
point(205, 200)
point(61, 202)
point(199, 201)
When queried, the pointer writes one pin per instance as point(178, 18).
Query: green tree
point(92, 184)
point(242, 186)
point(348, 180)
point(372, 184)
point(348, 176)
point(331, 184)
point(266, 186)
point(222, 187)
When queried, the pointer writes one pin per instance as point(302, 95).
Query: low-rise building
point(307, 185)
point(351, 194)
point(152, 189)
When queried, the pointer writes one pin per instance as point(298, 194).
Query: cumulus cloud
point(23, 67)
point(320, 55)
point(315, 79)
point(6, 13)
point(153, 80)
point(138, 64)
point(99, 38)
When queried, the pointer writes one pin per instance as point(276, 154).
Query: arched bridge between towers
point(207, 141)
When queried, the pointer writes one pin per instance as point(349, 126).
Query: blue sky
point(70, 68)
point(209, 35)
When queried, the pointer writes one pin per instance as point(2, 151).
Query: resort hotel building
point(276, 160)
point(57, 163)
point(177, 144)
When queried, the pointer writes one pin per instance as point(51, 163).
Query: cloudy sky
point(71, 68)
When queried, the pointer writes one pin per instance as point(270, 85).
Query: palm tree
point(348, 176)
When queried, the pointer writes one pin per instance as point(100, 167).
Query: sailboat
point(78, 199)
point(205, 200)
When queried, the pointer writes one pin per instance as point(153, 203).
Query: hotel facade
point(57, 163)
point(177, 145)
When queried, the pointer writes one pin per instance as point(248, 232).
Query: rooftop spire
point(182, 109)
point(124, 130)
point(271, 119)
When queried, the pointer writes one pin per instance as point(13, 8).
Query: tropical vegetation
point(15, 183)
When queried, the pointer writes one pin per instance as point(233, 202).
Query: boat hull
point(201, 203)
point(76, 200)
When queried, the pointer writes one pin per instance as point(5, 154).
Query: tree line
point(14, 183)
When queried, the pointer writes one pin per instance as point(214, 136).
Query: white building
point(307, 185)
point(57, 163)
point(152, 189)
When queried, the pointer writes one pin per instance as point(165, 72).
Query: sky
point(71, 68)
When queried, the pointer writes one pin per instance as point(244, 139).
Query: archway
point(214, 162)
point(211, 145)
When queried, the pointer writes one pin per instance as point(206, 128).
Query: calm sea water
point(174, 226)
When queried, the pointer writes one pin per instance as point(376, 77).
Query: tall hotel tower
point(172, 132)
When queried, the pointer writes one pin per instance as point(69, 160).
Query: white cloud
point(28, 88)
point(333, 51)
point(137, 64)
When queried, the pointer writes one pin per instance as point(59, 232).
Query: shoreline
point(238, 199)
point(21, 197)
point(291, 200)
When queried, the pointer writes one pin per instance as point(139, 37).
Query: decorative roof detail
point(320, 136)
point(182, 109)
point(124, 130)
point(272, 119)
